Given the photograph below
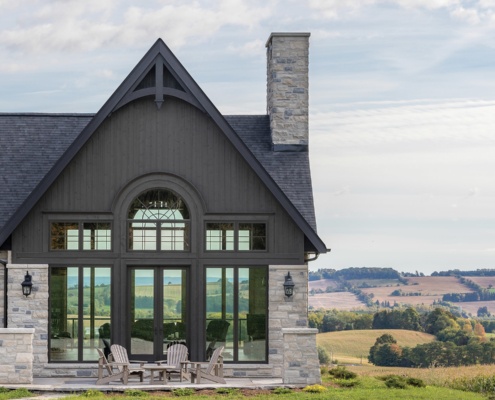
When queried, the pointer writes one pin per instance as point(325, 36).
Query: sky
point(402, 103)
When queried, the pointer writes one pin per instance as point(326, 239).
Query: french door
point(157, 311)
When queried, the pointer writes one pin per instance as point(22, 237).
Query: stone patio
point(54, 387)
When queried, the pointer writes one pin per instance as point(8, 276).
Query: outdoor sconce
point(27, 285)
point(288, 285)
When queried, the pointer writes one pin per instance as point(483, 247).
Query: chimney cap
point(286, 34)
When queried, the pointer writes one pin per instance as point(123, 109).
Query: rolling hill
point(353, 346)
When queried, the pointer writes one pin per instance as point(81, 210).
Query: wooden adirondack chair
point(211, 370)
point(123, 364)
point(104, 366)
point(176, 356)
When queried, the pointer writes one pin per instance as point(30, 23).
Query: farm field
point(353, 346)
point(374, 282)
point(436, 284)
point(322, 284)
point(338, 300)
point(439, 376)
point(471, 307)
point(431, 288)
point(483, 281)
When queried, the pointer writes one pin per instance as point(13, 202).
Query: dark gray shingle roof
point(289, 170)
point(30, 145)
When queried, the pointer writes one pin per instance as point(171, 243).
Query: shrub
point(19, 393)
point(282, 390)
point(315, 389)
point(135, 393)
point(323, 355)
point(342, 373)
point(183, 392)
point(396, 382)
point(478, 384)
point(226, 390)
point(346, 383)
point(416, 382)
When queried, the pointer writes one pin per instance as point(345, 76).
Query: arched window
point(158, 220)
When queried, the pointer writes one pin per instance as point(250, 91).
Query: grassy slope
point(349, 346)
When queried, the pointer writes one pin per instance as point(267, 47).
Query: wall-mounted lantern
point(288, 285)
point(27, 285)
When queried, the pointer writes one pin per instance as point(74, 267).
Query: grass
point(431, 376)
point(369, 384)
point(14, 394)
point(368, 388)
point(351, 346)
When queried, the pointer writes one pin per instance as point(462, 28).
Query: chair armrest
point(138, 362)
point(195, 363)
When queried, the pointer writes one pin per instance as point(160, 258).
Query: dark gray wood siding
point(179, 140)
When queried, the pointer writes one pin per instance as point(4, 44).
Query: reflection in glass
point(158, 220)
point(75, 331)
point(236, 302)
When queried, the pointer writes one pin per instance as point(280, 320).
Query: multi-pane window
point(80, 236)
point(158, 220)
point(97, 236)
point(220, 236)
point(79, 301)
point(236, 312)
point(230, 236)
point(252, 236)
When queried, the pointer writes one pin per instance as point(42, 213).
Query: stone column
point(301, 364)
point(32, 311)
point(16, 355)
point(286, 314)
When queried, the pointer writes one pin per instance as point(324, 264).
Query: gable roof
point(159, 73)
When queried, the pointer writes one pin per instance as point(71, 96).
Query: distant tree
point(386, 352)
point(479, 331)
point(483, 312)
point(438, 320)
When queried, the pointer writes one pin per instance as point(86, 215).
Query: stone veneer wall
point(287, 88)
point(288, 328)
point(292, 345)
point(32, 311)
point(301, 363)
point(16, 355)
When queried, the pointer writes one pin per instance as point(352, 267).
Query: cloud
point(251, 48)
point(74, 26)
point(472, 12)
point(409, 124)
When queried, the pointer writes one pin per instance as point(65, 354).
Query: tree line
point(459, 342)
point(354, 273)
point(479, 293)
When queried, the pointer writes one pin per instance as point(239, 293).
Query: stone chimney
point(287, 90)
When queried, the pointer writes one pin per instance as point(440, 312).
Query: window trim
point(158, 226)
point(79, 341)
point(236, 223)
point(80, 229)
point(235, 313)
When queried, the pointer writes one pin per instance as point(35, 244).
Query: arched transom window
point(158, 220)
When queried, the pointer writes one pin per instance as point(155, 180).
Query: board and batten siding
point(176, 139)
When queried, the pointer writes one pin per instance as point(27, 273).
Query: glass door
point(158, 311)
